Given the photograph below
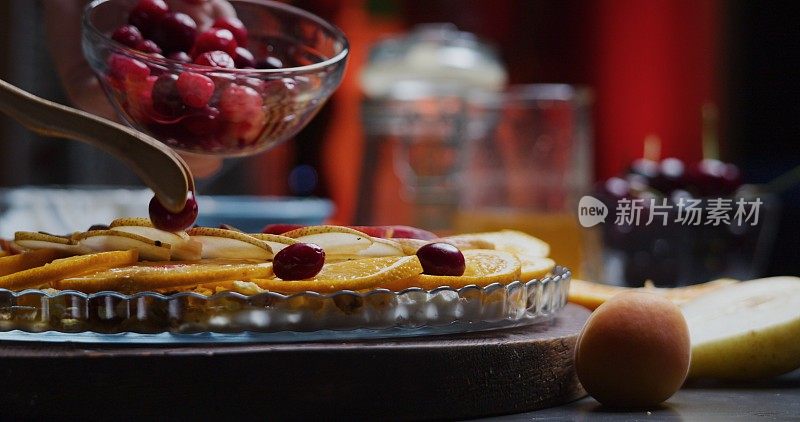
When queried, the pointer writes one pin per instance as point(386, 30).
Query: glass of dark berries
point(238, 87)
point(672, 223)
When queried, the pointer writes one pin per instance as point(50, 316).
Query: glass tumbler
point(529, 167)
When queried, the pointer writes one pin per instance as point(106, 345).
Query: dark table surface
point(775, 399)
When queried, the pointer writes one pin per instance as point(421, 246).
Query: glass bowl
point(250, 110)
point(270, 316)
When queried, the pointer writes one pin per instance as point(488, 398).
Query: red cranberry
point(644, 167)
point(147, 14)
point(149, 47)
point(244, 58)
point(195, 89)
point(203, 121)
point(215, 59)
point(123, 68)
point(670, 176)
point(238, 102)
point(166, 98)
point(163, 219)
point(234, 25)
point(269, 63)
point(441, 259)
point(176, 32)
point(127, 35)
point(180, 56)
point(215, 39)
point(298, 261)
point(616, 188)
point(714, 178)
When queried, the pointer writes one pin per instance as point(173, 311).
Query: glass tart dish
point(375, 313)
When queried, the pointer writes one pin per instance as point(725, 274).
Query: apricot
point(634, 351)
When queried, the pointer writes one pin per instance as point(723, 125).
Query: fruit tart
point(129, 276)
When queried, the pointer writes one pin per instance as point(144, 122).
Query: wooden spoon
point(159, 167)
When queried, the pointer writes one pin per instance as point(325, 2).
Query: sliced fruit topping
point(163, 219)
point(113, 240)
point(408, 232)
point(350, 275)
point(386, 232)
point(221, 243)
point(336, 240)
point(276, 242)
point(247, 288)
point(441, 259)
point(182, 246)
point(67, 267)
point(39, 240)
point(512, 241)
point(534, 267)
point(483, 267)
point(382, 247)
point(161, 275)
point(299, 261)
point(27, 260)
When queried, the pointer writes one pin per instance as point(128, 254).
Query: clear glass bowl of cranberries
point(227, 87)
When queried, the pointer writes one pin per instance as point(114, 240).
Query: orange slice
point(534, 267)
point(591, 295)
point(67, 267)
point(358, 274)
point(27, 260)
point(161, 275)
point(483, 267)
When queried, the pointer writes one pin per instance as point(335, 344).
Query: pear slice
point(182, 246)
point(746, 330)
point(382, 247)
point(222, 243)
point(335, 240)
point(113, 240)
point(275, 241)
point(41, 240)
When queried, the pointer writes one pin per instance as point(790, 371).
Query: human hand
point(62, 18)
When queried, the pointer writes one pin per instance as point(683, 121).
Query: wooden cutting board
point(451, 377)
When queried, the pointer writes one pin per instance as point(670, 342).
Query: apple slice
point(222, 243)
point(182, 246)
point(275, 241)
point(746, 330)
point(41, 240)
point(112, 240)
point(335, 240)
point(408, 232)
